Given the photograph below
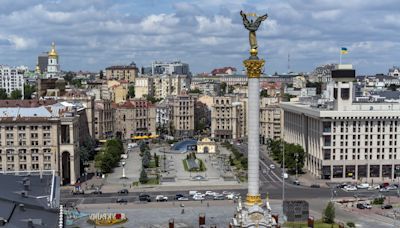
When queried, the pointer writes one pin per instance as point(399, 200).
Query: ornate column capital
point(254, 67)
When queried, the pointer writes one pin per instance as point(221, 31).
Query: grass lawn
point(152, 164)
point(317, 224)
point(153, 180)
point(202, 166)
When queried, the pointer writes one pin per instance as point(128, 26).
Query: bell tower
point(53, 68)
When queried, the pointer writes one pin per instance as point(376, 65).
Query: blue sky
point(93, 34)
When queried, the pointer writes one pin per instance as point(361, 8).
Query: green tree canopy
point(16, 94)
point(223, 88)
point(69, 76)
point(195, 90)
point(131, 91)
point(294, 154)
point(3, 94)
point(28, 91)
point(143, 176)
point(329, 213)
point(264, 93)
point(231, 88)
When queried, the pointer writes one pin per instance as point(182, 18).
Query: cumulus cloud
point(92, 34)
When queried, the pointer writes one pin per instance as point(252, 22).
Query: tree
point(69, 76)
point(329, 213)
point(264, 93)
point(143, 176)
point(196, 90)
point(131, 91)
point(28, 91)
point(3, 94)
point(77, 83)
point(152, 99)
point(16, 94)
point(317, 85)
point(231, 88)
point(101, 74)
point(223, 88)
point(145, 162)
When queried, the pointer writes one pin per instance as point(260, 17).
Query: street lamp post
point(297, 157)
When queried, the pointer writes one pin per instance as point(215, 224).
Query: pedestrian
point(201, 201)
point(183, 211)
point(208, 204)
point(130, 186)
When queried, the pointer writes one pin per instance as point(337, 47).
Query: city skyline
point(92, 35)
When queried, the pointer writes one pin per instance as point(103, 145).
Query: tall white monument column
point(255, 213)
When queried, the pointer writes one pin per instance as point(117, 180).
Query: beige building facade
point(136, 117)
point(122, 72)
point(183, 115)
point(228, 118)
point(271, 121)
point(144, 86)
point(103, 119)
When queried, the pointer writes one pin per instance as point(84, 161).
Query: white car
point(198, 197)
point(391, 187)
point(226, 193)
point(374, 187)
point(383, 190)
point(350, 188)
point(272, 166)
point(231, 196)
point(210, 193)
point(363, 186)
point(161, 198)
point(183, 199)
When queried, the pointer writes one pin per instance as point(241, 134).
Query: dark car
point(341, 185)
point(177, 196)
point(360, 206)
point(387, 206)
point(219, 197)
point(314, 186)
point(123, 191)
point(122, 200)
point(144, 197)
point(97, 192)
point(296, 182)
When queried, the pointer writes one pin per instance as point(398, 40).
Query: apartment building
point(166, 85)
point(103, 119)
point(270, 119)
point(144, 86)
point(136, 117)
point(183, 115)
point(228, 118)
point(11, 79)
point(38, 135)
point(122, 72)
point(349, 138)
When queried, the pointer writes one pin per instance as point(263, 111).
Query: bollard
point(310, 222)
point(171, 223)
point(202, 219)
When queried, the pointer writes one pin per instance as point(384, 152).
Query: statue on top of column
point(252, 26)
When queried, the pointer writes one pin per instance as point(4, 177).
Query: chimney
point(30, 223)
point(24, 194)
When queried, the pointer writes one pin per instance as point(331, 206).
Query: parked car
point(144, 197)
point(231, 196)
point(192, 193)
point(350, 188)
point(177, 196)
point(272, 166)
point(183, 198)
point(387, 206)
point(391, 187)
point(123, 191)
point(122, 200)
point(363, 186)
point(367, 205)
point(226, 193)
point(374, 187)
point(198, 197)
point(315, 186)
point(383, 190)
point(264, 171)
point(341, 185)
point(219, 197)
point(296, 182)
point(360, 206)
point(210, 193)
point(161, 198)
point(97, 191)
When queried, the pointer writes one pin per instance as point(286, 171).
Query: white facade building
point(11, 79)
point(346, 139)
point(53, 68)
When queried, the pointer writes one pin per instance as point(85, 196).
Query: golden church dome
point(53, 52)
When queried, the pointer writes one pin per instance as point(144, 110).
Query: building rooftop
point(29, 198)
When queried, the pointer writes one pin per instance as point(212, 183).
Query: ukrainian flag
point(343, 51)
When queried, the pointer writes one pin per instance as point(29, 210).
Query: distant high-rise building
point(53, 67)
point(11, 79)
point(42, 62)
point(170, 68)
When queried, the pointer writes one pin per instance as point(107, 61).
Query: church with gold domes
point(48, 65)
point(53, 68)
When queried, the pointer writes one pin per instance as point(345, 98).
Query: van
point(192, 193)
point(124, 156)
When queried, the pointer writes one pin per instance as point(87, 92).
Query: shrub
point(351, 224)
point(329, 213)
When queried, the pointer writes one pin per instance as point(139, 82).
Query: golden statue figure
point(252, 27)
